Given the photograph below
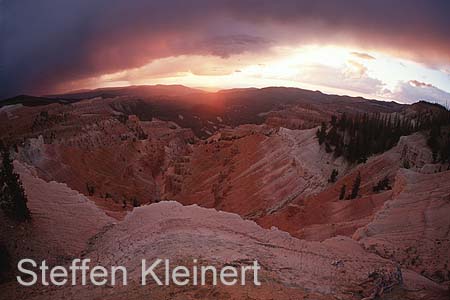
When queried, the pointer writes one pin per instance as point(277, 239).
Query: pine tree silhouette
point(355, 188)
point(13, 200)
point(333, 176)
point(342, 193)
point(359, 136)
point(322, 133)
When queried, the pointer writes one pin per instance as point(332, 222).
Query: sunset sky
point(384, 49)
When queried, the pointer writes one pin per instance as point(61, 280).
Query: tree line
point(358, 137)
point(13, 200)
point(439, 143)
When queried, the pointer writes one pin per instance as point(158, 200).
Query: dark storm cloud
point(224, 46)
point(46, 43)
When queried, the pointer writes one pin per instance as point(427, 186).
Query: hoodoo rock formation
point(120, 175)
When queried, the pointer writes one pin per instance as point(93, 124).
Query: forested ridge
point(360, 136)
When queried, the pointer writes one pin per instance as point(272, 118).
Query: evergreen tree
point(333, 121)
point(445, 150)
point(12, 198)
point(406, 164)
point(333, 176)
point(322, 133)
point(433, 140)
point(358, 137)
point(355, 188)
point(90, 189)
point(5, 263)
point(328, 148)
point(332, 136)
point(342, 124)
point(382, 185)
point(342, 193)
point(135, 202)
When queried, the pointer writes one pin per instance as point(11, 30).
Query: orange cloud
point(63, 42)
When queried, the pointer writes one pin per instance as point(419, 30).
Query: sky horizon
point(372, 49)
point(337, 92)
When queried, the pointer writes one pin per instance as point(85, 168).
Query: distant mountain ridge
point(158, 90)
point(111, 92)
point(28, 100)
point(132, 90)
point(239, 106)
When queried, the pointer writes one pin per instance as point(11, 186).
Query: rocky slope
point(292, 268)
point(63, 221)
point(323, 215)
point(413, 228)
point(255, 170)
point(252, 164)
point(337, 267)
